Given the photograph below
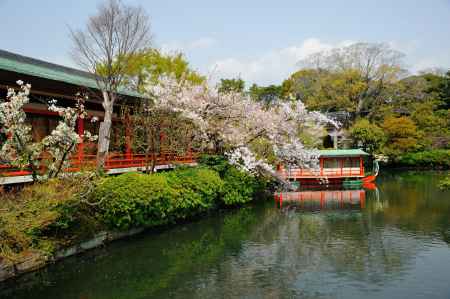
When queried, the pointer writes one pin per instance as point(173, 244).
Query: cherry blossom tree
point(21, 151)
point(230, 123)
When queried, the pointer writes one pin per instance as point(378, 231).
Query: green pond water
point(393, 242)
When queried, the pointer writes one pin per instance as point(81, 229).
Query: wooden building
point(52, 81)
point(336, 167)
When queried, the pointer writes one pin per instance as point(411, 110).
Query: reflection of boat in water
point(323, 199)
point(336, 167)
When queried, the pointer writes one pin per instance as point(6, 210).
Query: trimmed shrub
point(239, 187)
point(198, 188)
point(135, 199)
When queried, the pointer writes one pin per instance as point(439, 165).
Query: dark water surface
point(394, 245)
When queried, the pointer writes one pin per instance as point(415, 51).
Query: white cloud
point(271, 67)
point(415, 59)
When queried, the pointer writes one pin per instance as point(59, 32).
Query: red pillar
point(128, 138)
point(80, 131)
point(361, 167)
point(321, 166)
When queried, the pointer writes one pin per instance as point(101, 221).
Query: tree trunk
point(105, 130)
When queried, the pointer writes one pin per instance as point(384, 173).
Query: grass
point(42, 217)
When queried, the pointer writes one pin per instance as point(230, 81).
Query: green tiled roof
point(38, 68)
point(343, 153)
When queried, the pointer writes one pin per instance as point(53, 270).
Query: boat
point(345, 167)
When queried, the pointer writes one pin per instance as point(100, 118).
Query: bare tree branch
point(104, 48)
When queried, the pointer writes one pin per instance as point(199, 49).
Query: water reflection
point(395, 245)
point(315, 200)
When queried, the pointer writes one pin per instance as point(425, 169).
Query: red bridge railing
point(114, 161)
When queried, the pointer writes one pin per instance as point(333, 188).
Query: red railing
point(114, 161)
point(324, 172)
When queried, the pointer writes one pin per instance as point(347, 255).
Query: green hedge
point(198, 190)
point(239, 187)
point(428, 159)
point(135, 199)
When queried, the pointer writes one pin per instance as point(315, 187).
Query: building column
point(128, 137)
point(335, 139)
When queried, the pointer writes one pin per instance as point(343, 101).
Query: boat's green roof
point(343, 153)
point(38, 68)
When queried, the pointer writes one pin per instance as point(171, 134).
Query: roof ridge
point(43, 63)
point(10, 61)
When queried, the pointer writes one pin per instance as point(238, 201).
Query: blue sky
point(260, 41)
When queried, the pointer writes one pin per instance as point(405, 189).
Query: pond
point(389, 242)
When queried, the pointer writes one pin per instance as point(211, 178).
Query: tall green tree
point(326, 90)
point(444, 91)
point(266, 94)
point(375, 64)
point(231, 85)
point(150, 65)
point(402, 135)
point(368, 136)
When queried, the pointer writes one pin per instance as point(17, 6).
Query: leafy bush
point(134, 199)
point(433, 158)
point(444, 184)
point(239, 187)
point(199, 189)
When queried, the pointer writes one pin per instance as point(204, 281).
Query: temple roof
point(343, 153)
point(38, 68)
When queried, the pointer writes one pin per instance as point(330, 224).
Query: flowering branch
point(233, 122)
point(19, 149)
